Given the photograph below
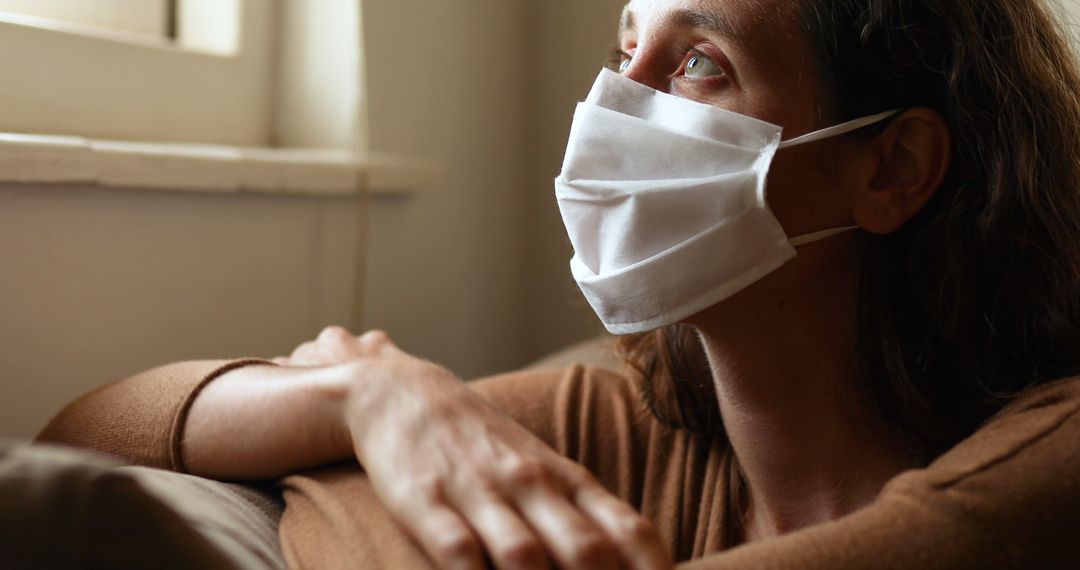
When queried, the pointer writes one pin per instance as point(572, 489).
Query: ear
point(912, 155)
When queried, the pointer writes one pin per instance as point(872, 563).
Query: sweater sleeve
point(140, 419)
point(1007, 497)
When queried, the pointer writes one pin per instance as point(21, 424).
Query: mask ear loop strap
point(840, 129)
point(818, 236)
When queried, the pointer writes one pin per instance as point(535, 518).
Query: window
point(157, 70)
point(153, 18)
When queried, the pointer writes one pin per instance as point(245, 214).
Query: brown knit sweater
point(1008, 497)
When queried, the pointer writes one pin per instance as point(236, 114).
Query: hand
point(466, 480)
point(334, 345)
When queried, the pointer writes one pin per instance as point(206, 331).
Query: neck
point(782, 362)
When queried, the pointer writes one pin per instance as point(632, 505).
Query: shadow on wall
point(473, 273)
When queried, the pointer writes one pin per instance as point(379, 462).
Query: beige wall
point(472, 272)
point(445, 82)
point(569, 41)
point(96, 284)
point(1072, 17)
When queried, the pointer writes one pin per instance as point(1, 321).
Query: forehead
point(742, 18)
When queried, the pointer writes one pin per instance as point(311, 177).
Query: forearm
point(261, 422)
point(138, 419)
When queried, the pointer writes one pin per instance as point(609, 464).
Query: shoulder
point(1040, 426)
point(1016, 480)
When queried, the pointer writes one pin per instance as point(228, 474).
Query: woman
point(827, 405)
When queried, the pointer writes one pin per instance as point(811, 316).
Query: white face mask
point(664, 202)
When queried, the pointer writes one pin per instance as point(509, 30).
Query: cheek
point(804, 193)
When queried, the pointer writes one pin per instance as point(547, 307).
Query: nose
point(643, 68)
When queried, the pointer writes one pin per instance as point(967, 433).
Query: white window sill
point(46, 159)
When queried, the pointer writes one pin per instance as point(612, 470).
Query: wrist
point(395, 396)
point(332, 387)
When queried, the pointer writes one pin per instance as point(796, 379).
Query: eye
point(700, 66)
point(618, 59)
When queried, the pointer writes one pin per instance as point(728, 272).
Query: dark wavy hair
point(978, 296)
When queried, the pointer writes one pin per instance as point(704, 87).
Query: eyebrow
point(703, 19)
point(626, 20)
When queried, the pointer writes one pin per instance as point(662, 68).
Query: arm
point(139, 419)
point(460, 476)
point(240, 420)
point(263, 422)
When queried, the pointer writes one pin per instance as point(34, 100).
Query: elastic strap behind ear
point(840, 129)
point(818, 236)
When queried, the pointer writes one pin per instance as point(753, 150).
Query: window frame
point(312, 136)
point(132, 86)
point(153, 18)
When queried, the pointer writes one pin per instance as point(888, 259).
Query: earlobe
point(913, 155)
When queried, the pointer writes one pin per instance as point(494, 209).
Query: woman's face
point(749, 57)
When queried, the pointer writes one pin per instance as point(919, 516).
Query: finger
point(302, 351)
point(639, 545)
point(573, 540)
point(375, 341)
point(508, 540)
point(446, 537)
point(310, 353)
point(333, 334)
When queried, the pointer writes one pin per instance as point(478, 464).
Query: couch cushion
point(66, 508)
point(241, 521)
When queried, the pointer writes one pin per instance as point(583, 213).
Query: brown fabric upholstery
point(240, 521)
point(63, 508)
